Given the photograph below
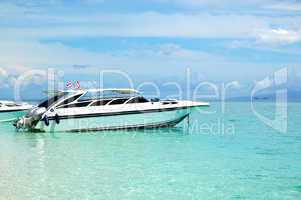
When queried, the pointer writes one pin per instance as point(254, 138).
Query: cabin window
point(90, 96)
point(118, 101)
point(76, 105)
point(138, 100)
point(69, 100)
point(101, 102)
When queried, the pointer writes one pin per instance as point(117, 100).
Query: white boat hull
point(151, 119)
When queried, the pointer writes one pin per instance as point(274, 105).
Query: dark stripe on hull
point(119, 113)
point(133, 127)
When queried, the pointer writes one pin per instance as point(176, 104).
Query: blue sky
point(219, 40)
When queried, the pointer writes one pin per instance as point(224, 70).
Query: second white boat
point(10, 110)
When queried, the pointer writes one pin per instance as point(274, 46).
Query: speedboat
point(10, 110)
point(104, 109)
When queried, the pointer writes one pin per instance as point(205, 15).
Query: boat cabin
point(85, 98)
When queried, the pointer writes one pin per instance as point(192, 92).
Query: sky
point(150, 40)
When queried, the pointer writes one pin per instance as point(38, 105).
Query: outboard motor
point(31, 118)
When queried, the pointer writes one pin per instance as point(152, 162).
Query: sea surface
point(227, 152)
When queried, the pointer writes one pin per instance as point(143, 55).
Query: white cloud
point(235, 84)
point(21, 50)
point(3, 73)
point(278, 36)
point(63, 23)
point(285, 6)
point(149, 24)
point(6, 80)
point(20, 56)
point(265, 83)
point(265, 29)
point(9, 76)
point(269, 39)
point(152, 60)
point(215, 3)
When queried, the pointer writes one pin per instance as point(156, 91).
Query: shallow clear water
point(224, 155)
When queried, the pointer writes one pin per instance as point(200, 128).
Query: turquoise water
point(224, 155)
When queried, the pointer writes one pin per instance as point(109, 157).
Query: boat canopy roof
point(95, 93)
point(113, 90)
point(116, 90)
point(108, 93)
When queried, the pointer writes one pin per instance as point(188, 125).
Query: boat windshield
point(50, 101)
